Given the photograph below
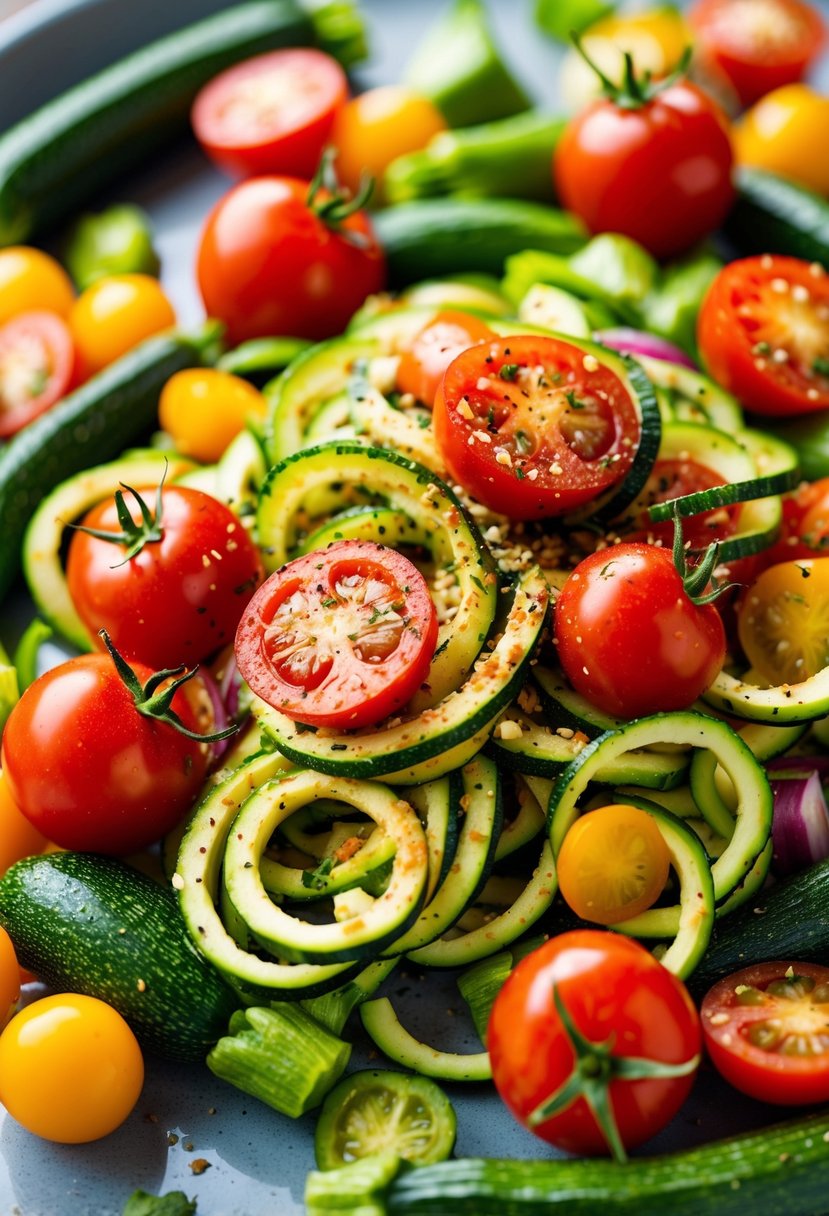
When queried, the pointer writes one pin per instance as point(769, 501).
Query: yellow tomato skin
point(783, 621)
point(613, 864)
point(784, 132)
point(203, 409)
point(114, 315)
point(18, 838)
point(10, 978)
point(71, 1069)
point(32, 281)
point(655, 38)
point(379, 125)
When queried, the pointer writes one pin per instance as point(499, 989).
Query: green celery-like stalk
point(332, 1009)
point(459, 68)
point(510, 157)
point(280, 1055)
point(354, 1187)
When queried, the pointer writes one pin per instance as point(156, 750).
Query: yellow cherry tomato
point(71, 1069)
point(114, 315)
point(785, 133)
point(32, 281)
point(204, 409)
point(613, 864)
point(10, 978)
point(783, 622)
point(379, 125)
point(18, 838)
point(655, 38)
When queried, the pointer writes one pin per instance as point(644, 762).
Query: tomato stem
point(339, 203)
point(696, 578)
point(133, 535)
point(594, 1070)
point(154, 699)
point(635, 91)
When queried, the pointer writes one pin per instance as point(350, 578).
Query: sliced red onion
point(230, 684)
point(637, 342)
point(800, 829)
point(221, 718)
point(799, 766)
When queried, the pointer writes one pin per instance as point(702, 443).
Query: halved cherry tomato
point(766, 1029)
point(271, 263)
point(71, 1069)
point(271, 114)
point(780, 134)
point(763, 332)
point(616, 995)
point(342, 637)
point(533, 426)
point(758, 45)
point(423, 364)
point(629, 637)
point(379, 125)
point(115, 314)
point(805, 530)
point(204, 409)
point(783, 621)
point(32, 281)
point(37, 367)
point(171, 592)
point(673, 478)
point(613, 864)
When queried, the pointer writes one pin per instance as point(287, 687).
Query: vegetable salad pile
point(454, 600)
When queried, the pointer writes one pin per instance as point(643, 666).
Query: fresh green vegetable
point(670, 308)
point(174, 1203)
point(778, 1171)
point(509, 157)
point(280, 1055)
point(809, 436)
point(773, 215)
point(434, 237)
point(623, 269)
point(459, 68)
point(65, 152)
point(562, 18)
point(377, 1111)
point(92, 925)
point(94, 423)
point(116, 241)
point(26, 653)
point(9, 686)
point(262, 357)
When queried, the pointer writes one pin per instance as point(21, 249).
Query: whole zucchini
point(92, 925)
point(65, 152)
point(93, 424)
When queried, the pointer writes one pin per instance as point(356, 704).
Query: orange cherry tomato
point(203, 409)
point(32, 280)
point(376, 127)
point(115, 314)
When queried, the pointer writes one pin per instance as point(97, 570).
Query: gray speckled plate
point(258, 1159)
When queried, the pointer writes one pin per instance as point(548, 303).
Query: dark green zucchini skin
point(788, 921)
point(68, 150)
point(772, 215)
point(89, 426)
point(779, 1171)
point(93, 925)
point(438, 236)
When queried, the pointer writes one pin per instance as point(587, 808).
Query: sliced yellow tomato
point(32, 281)
point(613, 864)
point(783, 133)
point(783, 623)
point(203, 409)
point(71, 1069)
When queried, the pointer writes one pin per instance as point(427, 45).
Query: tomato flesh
point(766, 1029)
point(37, 366)
point(763, 332)
point(271, 114)
point(341, 637)
point(613, 990)
point(423, 365)
point(783, 621)
point(533, 427)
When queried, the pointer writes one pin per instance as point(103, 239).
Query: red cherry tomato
point(268, 263)
point(615, 994)
point(805, 529)
point(765, 1029)
point(659, 173)
point(758, 45)
point(90, 771)
point(37, 367)
point(763, 332)
point(180, 598)
point(342, 637)
point(271, 114)
point(629, 637)
point(534, 426)
point(422, 366)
